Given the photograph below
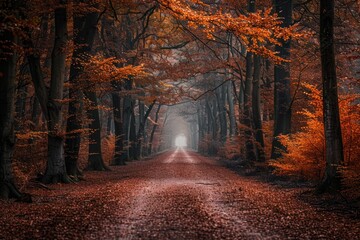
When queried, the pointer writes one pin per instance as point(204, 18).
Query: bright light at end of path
point(180, 141)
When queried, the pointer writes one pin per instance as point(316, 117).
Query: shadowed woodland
point(90, 89)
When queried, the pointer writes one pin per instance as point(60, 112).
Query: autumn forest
point(179, 119)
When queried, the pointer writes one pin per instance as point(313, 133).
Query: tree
point(282, 97)
point(332, 127)
point(141, 131)
point(55, 169)
point(247, 120)
point(8, 64)
point(151, 140)
point(84, 34)
point(258, 132)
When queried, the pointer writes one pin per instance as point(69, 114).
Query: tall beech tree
point(256, 110)
point(8, 68)
point(151, 140)
point(84, 33)
point(332, 128)
point(95, 159)
point(282, 96)
point(51, 100)
point(141, 130)
point(247, 118)
point(55, 168)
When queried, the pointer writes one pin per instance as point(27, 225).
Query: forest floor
point(175, 195)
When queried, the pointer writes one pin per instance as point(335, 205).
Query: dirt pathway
point(176, 195)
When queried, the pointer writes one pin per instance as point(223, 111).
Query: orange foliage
point(29, 157)
point(262, 27)
point(232, 148)
point(306, 149)
point(209, 145)
point(104, 70)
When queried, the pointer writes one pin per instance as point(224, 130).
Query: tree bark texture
point(332, 126)
point(95, 160)
point(248, 131)
point(55, 169)
point(119, 157)
point(256, 110)
point(8, 63)
point(282, 96)
point(230, 100)
point(141, 132)
point(153, 130)
point(128, 115)
point(84, 35)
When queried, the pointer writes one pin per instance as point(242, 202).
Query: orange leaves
point(262, 27)
point(105, 70)
point(31, 135)
point(306, 149)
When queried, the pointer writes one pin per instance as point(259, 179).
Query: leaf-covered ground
point(176, 195)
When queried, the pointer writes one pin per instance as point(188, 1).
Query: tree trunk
point(36, 112)
point(231, 110)
point(257, 111)
point(84, 32)
point(20, 105)
point(119, 157)
point(132, 134)
point(127, 115)
point(282, 97)
point(332, 126)
point(55, 169)
point(249, 146)
point(141, 131)
point(200, 119)
point(8, 63)
point(220, 97)
point(267, 116)
point(138, 143)
point(153, 130)
point(95, 160)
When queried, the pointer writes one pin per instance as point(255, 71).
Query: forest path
point(175, 195)
point(181, 200)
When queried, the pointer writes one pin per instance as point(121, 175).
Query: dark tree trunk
point(109, 125)
point(332, 126)
point(36, 112)
point(208, 116)
point(119, 157)
point(37, 77)
point(127, 115)
point(282, 97)
point(247, 121)
point(84, 32)
point(20, 106)
point(221, 97)
point(153, 130)
point(200, 119)
point(267, 86)
point(257, 111)
point(132, 134)
point(55, 169)
point(249, 146)
point(95, 160)
point(138, 143)
point(8, 62)
point(230, 101)
point(141, 131)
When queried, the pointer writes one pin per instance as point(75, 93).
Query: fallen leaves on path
point(173, 196)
